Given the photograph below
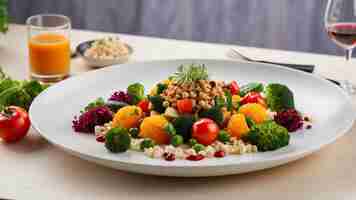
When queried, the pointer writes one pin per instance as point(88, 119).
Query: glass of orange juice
point(49, 47)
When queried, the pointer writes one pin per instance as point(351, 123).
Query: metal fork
point(233, 53)
point(349, 87)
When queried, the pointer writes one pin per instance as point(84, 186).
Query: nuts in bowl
point(104, 52)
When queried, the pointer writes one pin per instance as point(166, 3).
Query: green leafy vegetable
point(268, 136)
point(223, 136)
point(18, 93)
point(250, 122)
point(198, 147)
point(190, 73)
point(228, 96)
point(4, 18)
point(279, 97)
point(192, 142)
point(137, 92)
point(115, 105)
point(117, 140)
point(219, 101)
point(96, 103)
point(183, 126)
point(177, 140)
point(169, 128)
point(161, 87)
point(146, 143)
point(214, 113)
point(157, 103)
point(251, 87)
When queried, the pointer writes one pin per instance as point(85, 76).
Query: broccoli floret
point(117, 140)
point(223, 136)
point(251, 87)
point(198, 147)
point(137, 92)
point(279, 97)
point(268, 136)
point(214, 113)
point(147, 143)
point(183, 126)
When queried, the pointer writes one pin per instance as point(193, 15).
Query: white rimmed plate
point(53, 110)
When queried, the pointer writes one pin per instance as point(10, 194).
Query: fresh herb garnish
point(190, 73)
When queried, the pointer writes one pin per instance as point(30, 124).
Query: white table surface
point(34, 169)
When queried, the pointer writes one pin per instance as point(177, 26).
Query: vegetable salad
point(189, 116)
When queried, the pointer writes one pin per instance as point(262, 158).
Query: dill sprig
point(190, 73)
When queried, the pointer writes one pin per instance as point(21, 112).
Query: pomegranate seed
point(195, 157)
point(169, 156)
point(219, 154)
point(100, 138)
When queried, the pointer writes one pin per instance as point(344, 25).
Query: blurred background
point(279, 24)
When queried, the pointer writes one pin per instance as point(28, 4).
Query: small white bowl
point(95, 62)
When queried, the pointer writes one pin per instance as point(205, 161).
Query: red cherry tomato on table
point(205, 131)
point(234, 88)
point(14, 124)
point(185, 106)
point(144, 104)
point(253, 97)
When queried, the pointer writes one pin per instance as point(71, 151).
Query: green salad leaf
point(137, 92)
point(251, 87)
point(18, 93)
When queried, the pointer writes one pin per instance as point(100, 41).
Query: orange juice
point(49, 54)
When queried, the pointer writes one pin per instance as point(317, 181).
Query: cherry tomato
point(144, 104)
point(205, 131)
point(185, 106)
point(14, 124)
point(253, 97)
point(234, 88)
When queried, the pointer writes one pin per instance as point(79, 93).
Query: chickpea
point(185, 95)
point(193, 94)
point(206, 89)
point(202, 103)
point(165, 104)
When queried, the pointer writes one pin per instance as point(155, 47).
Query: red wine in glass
point(343, 34)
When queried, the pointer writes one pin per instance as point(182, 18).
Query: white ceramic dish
point(52, 111)
point(94, 62)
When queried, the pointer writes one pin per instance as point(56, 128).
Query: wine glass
point(340, 24)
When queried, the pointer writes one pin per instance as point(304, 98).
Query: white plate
point(52, 112)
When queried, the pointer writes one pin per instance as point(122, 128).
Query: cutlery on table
point(235, 54)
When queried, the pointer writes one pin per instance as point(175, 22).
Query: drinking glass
point(340, 24)
point(49, 47)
